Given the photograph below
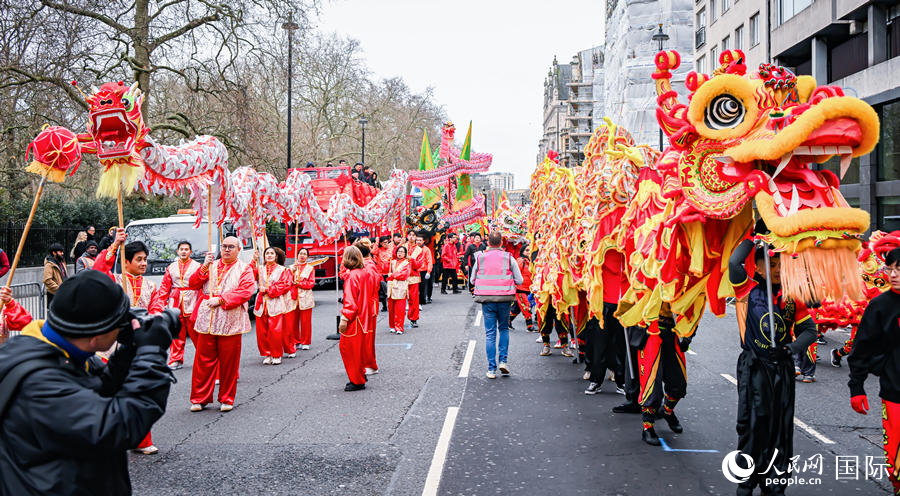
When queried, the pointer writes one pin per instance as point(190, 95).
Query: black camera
point(170, 318)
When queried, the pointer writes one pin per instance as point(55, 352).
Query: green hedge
point(62, 210)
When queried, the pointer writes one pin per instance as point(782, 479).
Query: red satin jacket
point(358, 308)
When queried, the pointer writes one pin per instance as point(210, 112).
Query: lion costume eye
point(128, 103)
point(724, 112)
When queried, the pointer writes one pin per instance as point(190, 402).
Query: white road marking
point(799, 423)
point(691, 352)
point(812, 432)
point(478, 319)
point(440, 453)
point(467, 361)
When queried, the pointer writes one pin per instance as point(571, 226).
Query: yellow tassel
point(55, 175)
point(119, 176)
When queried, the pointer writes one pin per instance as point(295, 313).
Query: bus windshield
point(162, 239)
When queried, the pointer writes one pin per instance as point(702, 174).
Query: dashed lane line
point(478, 319)
point(440, 453)
point(467, 361)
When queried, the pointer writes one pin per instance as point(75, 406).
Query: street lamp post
point(363, 123)
point(660, 38)
point(290, 27)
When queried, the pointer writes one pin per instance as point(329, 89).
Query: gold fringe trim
point(816, 274)
point(124, 176)
point(55, 175)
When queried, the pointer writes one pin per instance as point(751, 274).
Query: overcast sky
point(485, 59)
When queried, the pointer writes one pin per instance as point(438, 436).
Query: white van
point(162, 235)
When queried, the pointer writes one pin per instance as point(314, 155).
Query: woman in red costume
point(355, 317)
point(398, 286)
point(304, 281)
point(272, 303)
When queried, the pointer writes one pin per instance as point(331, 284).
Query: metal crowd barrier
point(32, 297)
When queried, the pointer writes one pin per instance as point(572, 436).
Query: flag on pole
point(464, 183)
point(426, 162)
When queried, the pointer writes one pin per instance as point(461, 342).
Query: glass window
point(739, 37)
point(754, 30)
point(834, 165)
point(701, 64)
point(785, 9)
point(888, 214)
point(714, 57)
point(726, 4)
point(701, 18)
point(889, 146)
point(712, 11)
point(726, 43)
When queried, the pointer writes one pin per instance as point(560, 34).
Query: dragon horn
point(671, 114)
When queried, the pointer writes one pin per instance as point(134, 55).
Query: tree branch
point(194, 24)
point(86, 13)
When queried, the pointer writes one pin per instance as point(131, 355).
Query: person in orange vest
point(172, 291)
point(304, 282)
point(398, 287)
point(417, 262)
point(220, 318)
point(495, 275)
point(355, 318)
point(272, 303)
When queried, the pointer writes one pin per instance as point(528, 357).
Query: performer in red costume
point(355, 316)
point(398, 287)
point(364, 245)
point(383, 255)
point(14, 317)
point(142, 293)
point(220, 319)
point(304, 282)
point(521, 305)
point(272, 303)
point(876, 351)
point(417, 262)
point(172, 291)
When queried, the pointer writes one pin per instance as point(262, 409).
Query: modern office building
point(721, 25)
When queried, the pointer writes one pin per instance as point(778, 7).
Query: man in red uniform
point(425, 271)
point(220, 318)
point(141, 292)
point(417, 262)
point(450, 261)
point(521, 305)
point(173, 291)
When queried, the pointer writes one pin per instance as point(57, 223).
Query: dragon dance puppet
point(669, 223)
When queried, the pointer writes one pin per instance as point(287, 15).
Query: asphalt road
point(295, 431)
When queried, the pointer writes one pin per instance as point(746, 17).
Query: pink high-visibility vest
point(494, 277)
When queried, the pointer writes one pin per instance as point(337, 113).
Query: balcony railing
point(700, 37)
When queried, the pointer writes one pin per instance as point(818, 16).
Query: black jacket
point(67, 430)
point(876, 348)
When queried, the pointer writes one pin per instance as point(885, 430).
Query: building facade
point(854, 44)
point(721, 25)
point(556, 93)
point(587, 66)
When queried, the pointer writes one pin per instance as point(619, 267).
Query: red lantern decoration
point(55, 151)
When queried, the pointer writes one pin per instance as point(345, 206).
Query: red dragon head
point(755, 137)
point(115, 122)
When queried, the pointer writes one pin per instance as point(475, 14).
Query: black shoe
point(821, 340)
point(428, 302)
point(835, 358)
point(649, 436)
point(354, 387)
point(593, 388)
point(627, 408)
point(674, 424)
point(443, 291)
point(456, 291)
point(384, 308)
point(511, 328)
point(414, 324)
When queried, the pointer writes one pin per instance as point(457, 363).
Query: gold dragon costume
point(743, 137)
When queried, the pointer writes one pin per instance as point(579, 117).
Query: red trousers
point(146, 443)
point(890, 424)
point(352, 347)
point(396, 311)
point(176, 350)
point(216, 355)
point(269, 335)
point(290, 333)
point(413, 296)
point(305, 328)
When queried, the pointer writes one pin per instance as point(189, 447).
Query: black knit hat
point(86, 305)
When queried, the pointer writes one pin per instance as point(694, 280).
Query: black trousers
point(629, 377)
point(668, 379)
point(765, 418)
point(424, 284)
point(549, 322)
point(601, 344)
point(449, 277)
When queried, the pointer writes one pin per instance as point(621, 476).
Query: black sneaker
point(821, 340)
point(627, 408)
point(593, 388)
point(511, 328)
point(835, 358)
point(414, 324)
point(674, 424)
point(354, 387)
point(649, 436)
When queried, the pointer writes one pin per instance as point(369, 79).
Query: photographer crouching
point(66, 418)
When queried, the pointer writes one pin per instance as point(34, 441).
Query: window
point(785, 9)
point(701, 18)
point(754, 30)
point(712, 11)
point(726, 43)
point(739, 37)
point(889, 146)
point(726, 4)
point(713, 58)
point(701, 64)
